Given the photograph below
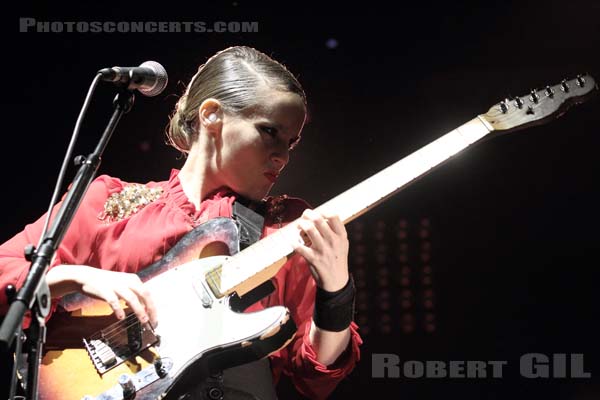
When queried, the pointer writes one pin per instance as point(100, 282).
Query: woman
point(237, 122)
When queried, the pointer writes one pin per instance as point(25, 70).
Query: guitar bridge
point(119, 342)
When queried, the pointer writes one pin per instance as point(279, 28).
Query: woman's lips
point(270, 176)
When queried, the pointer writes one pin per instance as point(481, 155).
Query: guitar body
point(199, 333)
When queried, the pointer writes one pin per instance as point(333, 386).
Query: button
point(215, 393)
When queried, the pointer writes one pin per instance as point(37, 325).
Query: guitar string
point(116, 331)
point(112, 327)
point(113, 344)
point(116, 337)
point(108, 339)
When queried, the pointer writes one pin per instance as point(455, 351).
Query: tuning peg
point(503, 107)
point(549, 92)
point(533, 96)
point(580, 81)
point(519, 102)
point(564, 86)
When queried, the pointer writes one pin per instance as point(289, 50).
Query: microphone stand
point(35, 294)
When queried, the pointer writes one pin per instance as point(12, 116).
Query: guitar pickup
point(119, 342)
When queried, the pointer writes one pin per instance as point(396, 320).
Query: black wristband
point(334, 311)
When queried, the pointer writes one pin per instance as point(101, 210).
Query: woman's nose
point(280, 158)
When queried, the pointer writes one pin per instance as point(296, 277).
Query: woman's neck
point(195, 178)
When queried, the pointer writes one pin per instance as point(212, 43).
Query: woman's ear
point(210, 115)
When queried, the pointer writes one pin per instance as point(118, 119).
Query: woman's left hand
point(327, 250)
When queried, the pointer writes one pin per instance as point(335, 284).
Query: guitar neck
point(372, 191)
point(263, 259)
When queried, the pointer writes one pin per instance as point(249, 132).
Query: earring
point(212, 117)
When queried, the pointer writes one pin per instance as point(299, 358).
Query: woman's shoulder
point(113, 184)
point(105, 186)
point(109, 183)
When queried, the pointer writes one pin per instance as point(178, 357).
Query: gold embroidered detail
point(128, 201)
point(275, 208)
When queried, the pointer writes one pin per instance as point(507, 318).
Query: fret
point(212, 283)
point(475, 129)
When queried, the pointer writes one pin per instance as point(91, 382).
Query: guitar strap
point(252, 381)
point(249, 219)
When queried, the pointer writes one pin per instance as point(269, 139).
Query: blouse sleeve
point(74, 248)
point(296, 289)
point(312, 378)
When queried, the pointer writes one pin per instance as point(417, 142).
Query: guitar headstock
point(540, 105)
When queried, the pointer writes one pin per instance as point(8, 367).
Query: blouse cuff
point(344, 363)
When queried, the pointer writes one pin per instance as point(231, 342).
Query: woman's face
point(255, 146)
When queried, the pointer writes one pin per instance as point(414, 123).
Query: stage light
point(383, 282)
point(394, 276)
point(331, 43)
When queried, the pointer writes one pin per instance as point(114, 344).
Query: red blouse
point(93, 241)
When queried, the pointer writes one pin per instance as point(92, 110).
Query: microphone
point(150, 78)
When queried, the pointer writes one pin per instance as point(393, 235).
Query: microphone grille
point(161, 79)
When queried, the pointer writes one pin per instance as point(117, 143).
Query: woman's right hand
point(110, 286)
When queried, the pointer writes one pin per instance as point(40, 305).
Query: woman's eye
point(269, 131)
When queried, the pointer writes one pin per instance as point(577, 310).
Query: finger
point(133, 302)
point(312, 232)
point(114, 303)
point(109, 296)
point(336, 225)
point(308, 255)
point(146, 299)
point(306, 252)
point(322, 225)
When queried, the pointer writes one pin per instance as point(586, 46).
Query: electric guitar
point(199, 298)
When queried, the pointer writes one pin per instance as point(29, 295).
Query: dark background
point(513, 220)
